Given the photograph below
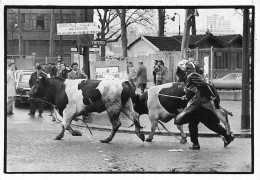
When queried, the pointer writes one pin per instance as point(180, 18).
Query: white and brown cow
point(80, 97)
point(163, 108)
point(164, 102)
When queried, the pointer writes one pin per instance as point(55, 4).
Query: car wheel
point(17, 103)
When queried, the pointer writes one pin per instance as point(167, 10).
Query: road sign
point(77, 28)
point(98, 42)
point(94, 49)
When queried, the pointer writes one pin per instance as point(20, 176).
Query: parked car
point(22, 78)
point(230, 81)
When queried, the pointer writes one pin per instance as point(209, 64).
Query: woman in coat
point(11, 93)
point(142, 76)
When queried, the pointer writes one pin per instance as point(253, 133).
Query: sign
point(77, 28)
point(93, 49)
point(98, 42)
point(108, 73)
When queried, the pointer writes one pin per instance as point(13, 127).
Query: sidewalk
point(101, 122)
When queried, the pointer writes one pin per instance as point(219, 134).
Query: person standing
point(142, 76)
point(34, 102)
point(131, 74)
point(161, 73)
point(63, 71)
point(154, 72)
point(75, 73)
point(198, 68)
point(11, 93)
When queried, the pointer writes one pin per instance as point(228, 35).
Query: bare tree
point(111, 29)
point(186, 32)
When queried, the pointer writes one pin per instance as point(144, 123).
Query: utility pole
point(20, 34)
point(87, 17)
point(245, 116)
point(61, 42)
point(51, 46)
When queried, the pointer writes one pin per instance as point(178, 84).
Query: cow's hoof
point(141, 136)
point(58, 138)
point(76, 133)
point(183, 140)
point(105, 141)
point(149, 140)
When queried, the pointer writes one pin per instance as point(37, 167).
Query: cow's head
point(38, 89)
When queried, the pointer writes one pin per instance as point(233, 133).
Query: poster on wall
point(107, 73)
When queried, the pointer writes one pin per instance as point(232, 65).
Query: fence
point(41, 60)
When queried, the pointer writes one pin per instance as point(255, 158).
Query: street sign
point(98, 42)
point(77, 28)
point(94, 49)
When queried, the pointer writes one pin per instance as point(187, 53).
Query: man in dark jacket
point(154, 72)
point(63, 72)
point(34, 102)
point(200, 96)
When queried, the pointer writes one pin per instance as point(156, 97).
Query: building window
point(40, 22)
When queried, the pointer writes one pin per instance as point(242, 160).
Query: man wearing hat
point(199, 94)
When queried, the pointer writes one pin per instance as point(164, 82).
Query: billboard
point(108, 73)
point(77, 28)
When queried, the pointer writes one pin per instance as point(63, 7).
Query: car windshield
point(25, 78)
point(232, 76)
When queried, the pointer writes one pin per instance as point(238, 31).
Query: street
point(31, 148)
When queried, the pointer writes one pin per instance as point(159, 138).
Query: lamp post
point(179, 23)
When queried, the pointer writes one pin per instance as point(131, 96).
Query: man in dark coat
point(63, 72)
point(198, 68)
point(199, 96)
point(34, 102)
point(142, 76)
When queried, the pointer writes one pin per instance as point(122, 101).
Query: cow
point(77, 97)
point(163, 103)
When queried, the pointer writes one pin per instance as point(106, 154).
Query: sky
point(229, 15)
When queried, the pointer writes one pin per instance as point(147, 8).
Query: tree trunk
point(123, 33)
point(51, 47)
point(161, 22)
point(103, 48)
point(186, 33)
point(193, 25)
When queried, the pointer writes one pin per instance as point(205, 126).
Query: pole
point(88, 17)
point(211, 63)
point(61, 42)
point(179, 26)
point(245, 116)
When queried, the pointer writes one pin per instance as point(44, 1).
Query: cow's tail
point(171, 133)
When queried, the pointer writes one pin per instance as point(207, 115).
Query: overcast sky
point(229, 15)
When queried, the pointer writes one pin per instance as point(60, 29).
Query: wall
point(141, 48)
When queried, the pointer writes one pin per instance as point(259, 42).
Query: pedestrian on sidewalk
point(142, 76)
point(11, 92)
point(154, 72)
point(161, 73)
point(199, 95)
point(34, 102)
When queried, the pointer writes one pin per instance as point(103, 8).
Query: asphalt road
point(30, 148)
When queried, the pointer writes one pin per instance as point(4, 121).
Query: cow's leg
point(68, 115)
point(183, 135)
point(131, 114)
point(116, 123)
point(154, 124)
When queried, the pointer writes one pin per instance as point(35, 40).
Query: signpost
point(99, 43)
